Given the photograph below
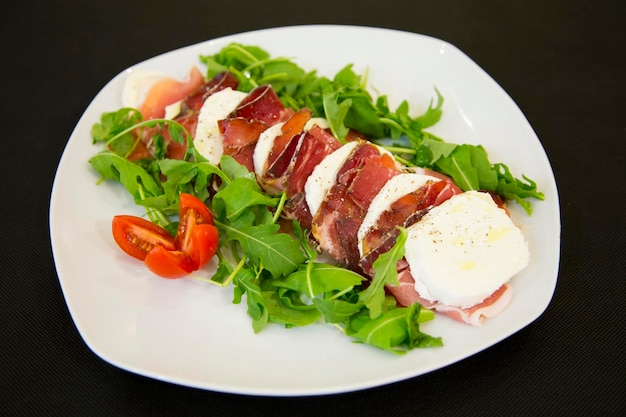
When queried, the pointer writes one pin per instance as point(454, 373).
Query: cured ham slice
point(336, 223)
point(317, 143)
point(409, 197)
point(194, 101)
point(406, 210)
point(258, 111)
point(168, 91)
point(283, 152)
point(493, 305)
point(283, 149)
point(263, 104)
point(239, 137)
point(285, 157)
point(190, 105)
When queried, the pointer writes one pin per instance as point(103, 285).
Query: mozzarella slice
point(463, 250)
point(324, 176)
point(208, 138)
point(264, 146)
point(397, 187)
point(320, 121)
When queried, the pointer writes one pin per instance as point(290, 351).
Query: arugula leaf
point(134, 178)
point(235, 58)
point(241, 194)
point(247, 282)
point(179, 177)
point(432, 115)
point(418, 339)
point(469, 167)
point(252, 66)
point(277, 252)
point(243, 215)
point(232, 169)
point(336, 113)
point(303, 238)
point(386, 273)
point(514, 189)
point(438, 149)
point(337, 310)
point(396, 330)
point(199, 174)
point(284, 75)
point(315, 278)
point(113, 123)
point(285, 308)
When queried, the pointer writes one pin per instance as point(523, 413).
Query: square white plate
point(188, 332)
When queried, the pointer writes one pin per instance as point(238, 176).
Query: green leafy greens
point(284, 283)
point(346, 103)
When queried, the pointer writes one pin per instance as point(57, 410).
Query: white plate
point(188, 332)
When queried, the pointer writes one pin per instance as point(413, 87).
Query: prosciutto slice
point(335, 225)
point(187, 116)
point(240, 136)
point(194, 101)
point(258, 111)
point(405, 211)
point(405, 294)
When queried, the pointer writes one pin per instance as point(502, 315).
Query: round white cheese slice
point(264, 146)
point(397, 187)
point(208, 139)
point(463, 250)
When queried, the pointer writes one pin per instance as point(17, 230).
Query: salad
point(194, 203)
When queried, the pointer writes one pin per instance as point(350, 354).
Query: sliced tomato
point(192, 212)
point(137, 236)
point(191, 202)
point(203, 244)
point(169, 263)
point(196, 241)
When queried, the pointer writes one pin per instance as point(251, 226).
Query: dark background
point(561, 61)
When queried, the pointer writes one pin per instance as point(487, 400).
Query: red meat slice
point(338, 219)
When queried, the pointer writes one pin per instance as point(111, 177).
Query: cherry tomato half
point(137, 236)
point(194, 245)
point(203, 244)
point(169, 263)
point(192, 212)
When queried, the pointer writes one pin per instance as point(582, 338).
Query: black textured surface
point(561, 61)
